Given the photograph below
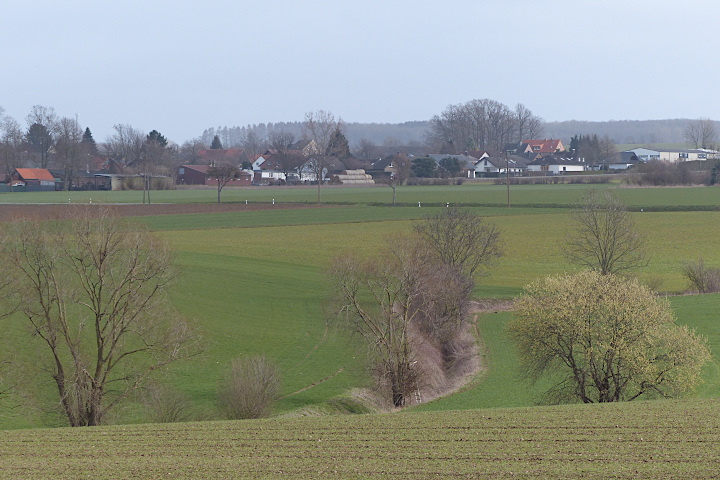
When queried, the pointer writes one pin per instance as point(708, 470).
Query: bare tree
point(481, 124)
point(280, 142)
point(321, 127)
point(397, 301)
point(604, 237)
point(223, 175)
point(379, 301)
point(69, 149)
point(125, 147)
point(252, 143)
point(11, 144)
point(41, 129)
point(367, 150)
point(92, 293)
point(402, 168)
point(462, 240)
point(527, 126)
point(701, 133)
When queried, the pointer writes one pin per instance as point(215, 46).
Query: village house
point(548, 146)
point(554, 165)
point(198, 175)
point(467, 163)
point(494, 166)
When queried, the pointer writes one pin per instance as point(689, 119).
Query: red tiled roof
point(549, 145)
point(35, 174)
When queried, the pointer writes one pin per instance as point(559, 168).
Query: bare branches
point(223, 174)
point(462, 240)
point(92, 290)
point(604, 238)
point(320, 128)
point(482, 125)
point(415, 293)
point(701, 133)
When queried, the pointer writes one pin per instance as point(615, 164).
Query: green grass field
point(256, 282)
point(649, 440)
point(467, 194)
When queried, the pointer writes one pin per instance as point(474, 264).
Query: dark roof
point(553, 160)
point(223, 155)
point(198, 168)
point(466, 161)
point(514, 161)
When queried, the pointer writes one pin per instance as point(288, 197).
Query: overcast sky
point(182, 66)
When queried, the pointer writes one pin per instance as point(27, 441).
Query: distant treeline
point(391, 134)
point(415, 133)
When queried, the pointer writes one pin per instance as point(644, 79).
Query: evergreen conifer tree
point(89, 142)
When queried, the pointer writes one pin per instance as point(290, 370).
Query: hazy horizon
point(181, 68)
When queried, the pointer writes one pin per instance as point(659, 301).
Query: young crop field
point(480, 194)
point(649, 440)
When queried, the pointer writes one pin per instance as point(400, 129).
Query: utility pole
point(507, 176)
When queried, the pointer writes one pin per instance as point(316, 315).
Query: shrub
point(701, 278)
point(250, 388)
point(164, 404)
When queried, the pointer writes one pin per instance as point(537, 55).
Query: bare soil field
point(62, 211)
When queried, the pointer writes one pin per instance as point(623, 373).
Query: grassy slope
point(235, 266)
point(501, 385)
point(664, 439)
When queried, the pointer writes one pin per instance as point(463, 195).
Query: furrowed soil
point(649, 440)
point(10, 212)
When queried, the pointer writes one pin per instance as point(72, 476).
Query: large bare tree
point(42, 123)
point(321, 127)
point(252, 143)
point(701, 133)
point(92, 291)
point(125, 146)
point(462, 240)
point(11, 144)
point(280, 142)
point(604, 237)
point(380, 302)
point(481, 124)
point(69, 148)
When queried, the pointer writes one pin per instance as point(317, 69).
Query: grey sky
point(182, 66)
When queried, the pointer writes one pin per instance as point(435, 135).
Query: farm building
point(553, 165)
point(197, 175)
point(33, 179)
